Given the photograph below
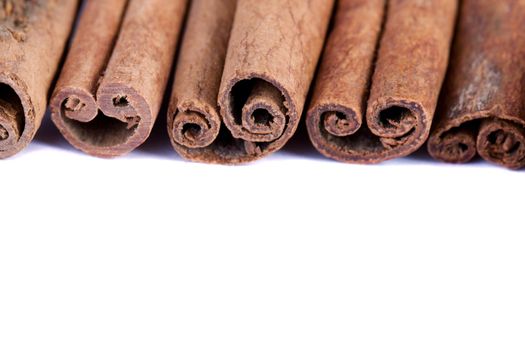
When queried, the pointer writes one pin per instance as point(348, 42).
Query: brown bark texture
point(33, 35)
point(370, 105)
point(482, 110)
point(113, 81)
point(260, 82)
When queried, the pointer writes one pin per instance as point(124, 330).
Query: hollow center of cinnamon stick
point(339, 123)
point(74, 104)
point(120, 101)
point(192, 131)
point(3, 133)
point(102, 131)
point(503, 141)
point(259, 109)
point(397, 118)
point(11, 115)
point(262, 117)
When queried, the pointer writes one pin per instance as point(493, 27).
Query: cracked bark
point(483, 108)
point(359, 114)
point(112, 84)
point(32, 39)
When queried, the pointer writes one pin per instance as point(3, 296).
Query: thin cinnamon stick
point(483, 107)
point(32, 39)
point(194, 121)
point(109, 93)
point(404, 89)
point(271, 58)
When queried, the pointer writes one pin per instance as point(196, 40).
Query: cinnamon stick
point(32, 39)
point(483, 107)
point(194, 120)
point(358, 119)
point(272, 54)
point(112, 84)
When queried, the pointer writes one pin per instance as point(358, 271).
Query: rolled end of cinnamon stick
point(114, 124)
point(456, 145)
point(336, 120)
point(401, 125)
point(272, 56)
point(398, 93)
point(395, 128)
point(112, 84)
point(502, 142)
point(339, 123)
point(193, 130)
point(257, 110)
point(329, 122)
point(192, 126)
point(17, 119)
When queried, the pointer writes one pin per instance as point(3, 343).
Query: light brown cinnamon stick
point(109, 93)
point(272, 54)
point(483, 106)
point(32, 39)
point(194, 121)
point(347, 122)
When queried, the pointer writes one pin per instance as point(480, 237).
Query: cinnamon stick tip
point(455, 149)
point(395, 118)
point(73, 103)
point(113, 125)
point(502, 142)
point(18, 123)
point(193, 129)
point(257, 108)
point(335, 119)
point(123, 102)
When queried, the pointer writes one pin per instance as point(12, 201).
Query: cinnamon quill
point(483, 106)
point(267, 69)
point(112, 84)
point(367, 111)
point(32, 39)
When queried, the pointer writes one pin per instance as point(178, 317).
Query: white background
point(292, 252)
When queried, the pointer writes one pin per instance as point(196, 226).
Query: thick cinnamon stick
point(404, 89)
point(483, 106)
point(271, 58)
point(109, 93)
point(32, 39)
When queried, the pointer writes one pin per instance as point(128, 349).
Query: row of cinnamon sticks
point(375, 79)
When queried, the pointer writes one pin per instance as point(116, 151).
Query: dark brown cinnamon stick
point(271, 58)
point(483, 107)
point(32, 39)
point(107, 108)
point(410, 68)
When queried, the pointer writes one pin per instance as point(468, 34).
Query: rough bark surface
point(114, 78)
point(271, 59)
point(32, 39)
point(482, 110)
point(194, 120)
point(361, 113)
